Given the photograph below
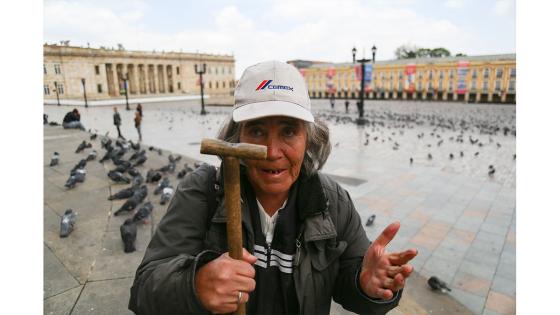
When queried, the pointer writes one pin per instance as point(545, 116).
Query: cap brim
point(271, 108)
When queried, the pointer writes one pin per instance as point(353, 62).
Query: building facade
point(107, 74)
point(490, 78)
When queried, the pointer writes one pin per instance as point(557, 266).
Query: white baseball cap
point(271, 88)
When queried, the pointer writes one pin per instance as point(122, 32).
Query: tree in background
point(411, 51)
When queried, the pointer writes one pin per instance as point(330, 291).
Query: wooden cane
point(231, 153)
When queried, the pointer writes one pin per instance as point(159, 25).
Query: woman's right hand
point(219, 282)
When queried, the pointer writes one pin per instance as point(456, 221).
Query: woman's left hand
point(383, 274)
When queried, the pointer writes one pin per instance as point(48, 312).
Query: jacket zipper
point(298, 247)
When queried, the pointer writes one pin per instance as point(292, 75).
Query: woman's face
point(286, 140)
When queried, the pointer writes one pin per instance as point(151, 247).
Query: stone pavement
point(88, 272)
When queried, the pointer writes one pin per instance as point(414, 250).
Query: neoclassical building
point(489, 78)
point(103, 73)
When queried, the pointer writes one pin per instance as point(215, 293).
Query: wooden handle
point(239, 150)
point(233, 205)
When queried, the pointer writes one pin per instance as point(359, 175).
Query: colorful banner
point(368, 69)
point(410, 72)
point(462, 71)
point(330, 83)
point(302, 71)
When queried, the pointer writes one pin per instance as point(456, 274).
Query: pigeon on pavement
point(128, 235)
point(436, 284)
point(166, 195)
point(118, 177)
point(67, 223)
point(132, 202)
point(370, 220)
point(55, 158)
point(143, 213)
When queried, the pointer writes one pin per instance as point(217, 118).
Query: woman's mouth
point(273, 171)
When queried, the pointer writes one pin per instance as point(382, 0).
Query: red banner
point(410, 72)
point(462, 71)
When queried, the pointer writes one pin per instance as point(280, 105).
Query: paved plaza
point(461, 220)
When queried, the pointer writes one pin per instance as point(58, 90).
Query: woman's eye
point(289, 132)
point(255, 132)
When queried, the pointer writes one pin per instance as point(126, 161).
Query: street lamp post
point(56, 90)
point(362, 62)
point(125, 79)
point(84, 85)
point(200, 73)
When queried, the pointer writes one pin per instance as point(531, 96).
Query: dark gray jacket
point(333, 243)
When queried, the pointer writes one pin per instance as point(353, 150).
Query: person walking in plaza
point(346, 103)
point(117, 121)
point(304, 243)
point(72, 120)
point(138, 120)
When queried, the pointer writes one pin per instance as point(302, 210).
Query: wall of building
point(150, 74)
point(391, 80)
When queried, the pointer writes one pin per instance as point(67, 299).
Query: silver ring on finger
point(239, 297)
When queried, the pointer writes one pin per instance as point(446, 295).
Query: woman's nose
point(274, 150)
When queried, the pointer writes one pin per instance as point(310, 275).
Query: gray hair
point(317, 149)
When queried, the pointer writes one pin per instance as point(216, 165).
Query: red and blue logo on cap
point(263, 85)
point(266, 84)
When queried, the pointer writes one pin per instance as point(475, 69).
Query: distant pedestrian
point(72, 120)
point(138, 120)
point(117, 122)
point(332, 101)
point(45, 119)
point(346, 104)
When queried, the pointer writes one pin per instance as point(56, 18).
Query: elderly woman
point(303, 241)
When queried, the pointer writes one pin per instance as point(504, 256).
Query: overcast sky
point(255, 31)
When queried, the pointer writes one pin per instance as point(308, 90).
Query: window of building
point(451, 74)
point(178, 86)
point(223, 71)
point(419, 85)
point(178, 71)
point(474, 74)
point(60, 87)
point(96, 69)
point(57, 68)
point(473, 83)
point(486, 73)
point(224, 84)
point(450, 88)
point(430, 75)
point(209, 70)
point(498, 86)
point(210, 84)
point(511, 87)
point(499, 73)
point(512, 73)
point(485, 86)
point(230, 69)
point(45, 68)
point(46, 89)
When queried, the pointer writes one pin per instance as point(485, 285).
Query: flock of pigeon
point(127, 158)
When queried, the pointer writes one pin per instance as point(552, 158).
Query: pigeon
point(133, 172)
point(81, 147)
point(166, 195)
point(134, 146)
point(451, 156)
point(67, 223)
point(429, 156)
point(476, 153)
point(118, 162)
point(132, 202)
point(173, 159)
point(80, 165)
point(461, 154)
point(92, 156)
point(137, 180)
point(514, 156)
point(118, 177)
point(491, 171)
point(153, 176)
point(53, 123)
point(164, 183)
point(123, 194)
point(182, 173)
point(93, 136)
point(78, 176)
point(128, 235)
point(370, 220)
point(137, 154)
point(139, 160)
point(167, 168)
point(143, 213)
point(55, 158)
point(411, 160)
point(436, 284)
